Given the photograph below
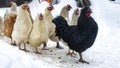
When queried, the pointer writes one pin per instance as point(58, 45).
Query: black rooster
point(79, 37)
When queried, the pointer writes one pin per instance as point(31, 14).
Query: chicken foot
point(58, 45)
point(24, 49)
point(13, 43)
point(36, 50)
point(71, 53)
point(44, 46)
point(81, 59)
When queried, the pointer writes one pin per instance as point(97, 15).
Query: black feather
point(79, 37)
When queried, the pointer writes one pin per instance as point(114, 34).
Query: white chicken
point(50, 25)
point(39, 33)
point(65, 13)
point(13, 7)
point(22, 26)
point(75, 16)
point(1, 25)
point(74, 20)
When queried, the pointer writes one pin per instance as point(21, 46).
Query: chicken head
point(25, 6)
point(68, 7)
point(77, 11)
point(50, 7)
point(41, 16)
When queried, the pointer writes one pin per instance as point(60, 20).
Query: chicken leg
point(36, 50)
point(58, 46)
point(13, 43)
point(71, 53)
point(44, 45)
point(81, 59)
point(24, 49)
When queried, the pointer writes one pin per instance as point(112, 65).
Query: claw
point(44, 45)
point(25, 50)
point(71, 53)
point(58, 46)
point(83, 61)
point(37, 53)
point(44, 49)
point(13, 43)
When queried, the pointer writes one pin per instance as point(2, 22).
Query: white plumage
point(75, 16)
point(48, 20)
point(39, 33)
point(22, 26)
point(65, 13)
point(13, 7)
point(1, 25)
point(51, 26)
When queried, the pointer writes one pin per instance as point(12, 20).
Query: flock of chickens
point(78, 34)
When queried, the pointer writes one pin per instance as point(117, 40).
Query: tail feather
point(61, 24)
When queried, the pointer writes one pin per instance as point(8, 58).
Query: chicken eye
point(48, 9)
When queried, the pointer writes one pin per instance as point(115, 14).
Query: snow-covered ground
point(105, 53)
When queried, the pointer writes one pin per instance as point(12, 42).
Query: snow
point(105, 53)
